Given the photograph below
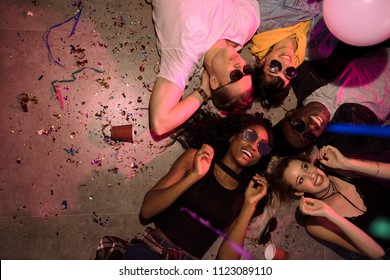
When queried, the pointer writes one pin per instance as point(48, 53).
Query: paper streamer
point(76, 18)
point(57, 87)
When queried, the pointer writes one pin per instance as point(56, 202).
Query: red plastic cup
point(122, 133)
point(273, 252)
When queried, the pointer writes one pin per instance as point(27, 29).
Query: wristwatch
point(203, 94)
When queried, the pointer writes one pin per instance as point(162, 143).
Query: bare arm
point(238, 229)
point(190, 167)
point(333, 158)
point(330, 226)
point(167, 108)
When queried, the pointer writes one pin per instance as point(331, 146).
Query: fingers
point(322, 153)
point(325, 154)
point(259, 181)
point(206, 151)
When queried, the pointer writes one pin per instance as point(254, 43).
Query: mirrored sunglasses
point(237, 75)
point(265, 236)
point(300, 126)
point(275, 66)
point(250, 136)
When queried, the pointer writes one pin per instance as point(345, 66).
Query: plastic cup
point(273, 252)
point(122, 133)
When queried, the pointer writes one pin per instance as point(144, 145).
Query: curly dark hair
point(271, 91)
point(206, 127)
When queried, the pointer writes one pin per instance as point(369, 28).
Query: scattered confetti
point(25, 99)
point(45, 131)
point(103, 83)
point(64, 204)
point(71, 151)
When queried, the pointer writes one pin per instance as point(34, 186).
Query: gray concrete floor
point(62, 187)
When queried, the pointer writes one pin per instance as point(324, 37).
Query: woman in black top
point(210, 190)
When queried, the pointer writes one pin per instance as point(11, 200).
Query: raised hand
point(202, 160)
point(256, 190)
point(332, 157)
point(314, 207)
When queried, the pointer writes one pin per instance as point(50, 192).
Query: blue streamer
point(76, 18)
point(366, 130)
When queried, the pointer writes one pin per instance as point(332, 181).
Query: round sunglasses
point(275, 66)
point(237, 75)
point(250, 136)
point(300, 126)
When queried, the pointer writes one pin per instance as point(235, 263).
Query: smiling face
point(284, 52)
point(314, 115)
point(305, 177)
point(244, 153)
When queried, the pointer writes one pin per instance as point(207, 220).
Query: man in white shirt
point(193, 34)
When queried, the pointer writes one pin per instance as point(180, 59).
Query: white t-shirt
point(365, 81)
point(187, 29)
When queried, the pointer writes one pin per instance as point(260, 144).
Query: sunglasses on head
point(275, 66)
point(300, 126)
point(250, 136)
point(237, 75)
point(265, 236)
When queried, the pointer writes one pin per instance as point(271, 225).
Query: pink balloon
point(358, 22)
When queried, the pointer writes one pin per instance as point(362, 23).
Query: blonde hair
point(281, 193)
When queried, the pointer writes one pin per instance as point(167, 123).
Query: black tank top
point(211, 202)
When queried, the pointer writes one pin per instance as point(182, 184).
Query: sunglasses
point(275, 66)
point(265, 236)
point(300, 126)
point(237, 75)
point(250, 136)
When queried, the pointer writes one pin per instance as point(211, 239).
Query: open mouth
point(247, 153)
point(319, 180)
point(286, 57)
point(317, 120)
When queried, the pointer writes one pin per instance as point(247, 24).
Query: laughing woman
point(207, 191)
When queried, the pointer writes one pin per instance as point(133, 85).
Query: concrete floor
point(62, 186)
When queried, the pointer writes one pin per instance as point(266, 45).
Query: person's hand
point(202, 160)
point(314, 207)
point(332, 157)
point(256, 190)
point(205, 83)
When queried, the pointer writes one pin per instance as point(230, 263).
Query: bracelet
point(377, 172)
point(203, 94)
